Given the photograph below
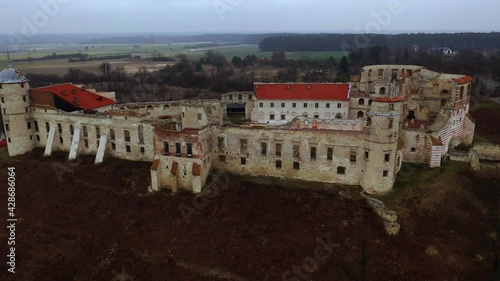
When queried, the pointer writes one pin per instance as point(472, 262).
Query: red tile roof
point(417, 124)
point(76, 96)
point(463, 80)
point(301, 91)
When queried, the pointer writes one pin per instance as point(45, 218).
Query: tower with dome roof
point(16, 111)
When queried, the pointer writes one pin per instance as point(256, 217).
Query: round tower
point(381, 143)
point(15, 110)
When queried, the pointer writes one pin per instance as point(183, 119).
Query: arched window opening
point(411, 114)
point(141, 134)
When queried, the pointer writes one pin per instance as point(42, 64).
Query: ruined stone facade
point(389, 115)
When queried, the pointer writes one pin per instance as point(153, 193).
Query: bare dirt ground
point(100, 223)
point(486, 117)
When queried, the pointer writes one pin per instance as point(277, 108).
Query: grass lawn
point(4, 154)
point(414, 179)
point(478, 138)
point(237, 118)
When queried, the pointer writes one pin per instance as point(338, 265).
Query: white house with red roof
point(278, 104)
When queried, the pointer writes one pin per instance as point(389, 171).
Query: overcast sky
point(199, 16)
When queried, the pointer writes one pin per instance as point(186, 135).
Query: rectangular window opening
point(166, 149)
point(313, 153)
point(263, 149)
point(329, 154)
point(296, 165)
point(127, 135)
point(353, 156)
point(340, 170)
point(278, 149)
point(178, 149)
point(296, 151)
point(243, 145)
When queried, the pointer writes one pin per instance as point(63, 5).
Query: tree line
point(349, 42)
point(216, 73)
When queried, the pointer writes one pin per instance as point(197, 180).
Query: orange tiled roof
point(302, 91)
point(417, 124)
point(464, 79)
point(76, 96)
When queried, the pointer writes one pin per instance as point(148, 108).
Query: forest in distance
point(343, 42)
point(281, 41)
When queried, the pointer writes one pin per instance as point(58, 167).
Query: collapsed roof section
point(68, 97)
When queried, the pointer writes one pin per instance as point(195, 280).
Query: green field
point(193, 50)
point(168, 50)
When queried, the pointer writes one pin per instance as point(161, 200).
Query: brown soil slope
point(99, 223)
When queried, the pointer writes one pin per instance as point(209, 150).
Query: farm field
point(60, 66)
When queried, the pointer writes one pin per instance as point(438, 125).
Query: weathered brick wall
point(43, 98)
point(320, 169)
point(16, 115)
point(105, 123)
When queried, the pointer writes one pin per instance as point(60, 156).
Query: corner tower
point(15, 110)
point(381, 144)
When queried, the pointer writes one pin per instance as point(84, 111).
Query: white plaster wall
point(262, 114)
